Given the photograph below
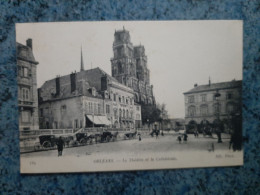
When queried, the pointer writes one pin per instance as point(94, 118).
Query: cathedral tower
point(129, 67)
point(142, 72)
point(123, 63)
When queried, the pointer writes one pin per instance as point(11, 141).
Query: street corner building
point(88, 98)
point(27, 86)
point(129, 67)
point(213, 104)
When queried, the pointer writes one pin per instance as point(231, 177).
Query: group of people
point(184, 136)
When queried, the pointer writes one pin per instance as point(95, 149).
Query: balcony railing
point(24, 81)
point(27, 103)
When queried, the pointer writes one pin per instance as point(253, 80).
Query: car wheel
point(82, 141)
point(46, 144)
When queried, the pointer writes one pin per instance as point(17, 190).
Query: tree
point(150, 113)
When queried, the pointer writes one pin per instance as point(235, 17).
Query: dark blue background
point(233, 180)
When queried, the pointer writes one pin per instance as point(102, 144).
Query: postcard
point(129, 95)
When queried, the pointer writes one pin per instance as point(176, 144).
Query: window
point(46, 110)
point(25, 94)
point(99, 108)
point(229, 96)
point(107, 109)
point(120, 68)
point(119, 98)
point(123, 99)
point(120, 113)
point(137, 107)
point(191, 99)
point(23, 71)
point(123, 113)
point(26, 116)
point(230, 107)
point(95, 108)
point(90, 105)
point(192, 111)
point(63, 109)
point(55, 125)
point(115, 97)
point(41, 112)
point(204, 110)
point(127, 114)
point(115, 113)
point(76, 125)
point(216, 108)
point(204, 98)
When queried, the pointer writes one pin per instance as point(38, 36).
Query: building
point(86, 99)
point(27, 87)
point(212, 104)
point(173, 124)
point(129, 67)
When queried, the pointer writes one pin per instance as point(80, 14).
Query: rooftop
point(215, 86)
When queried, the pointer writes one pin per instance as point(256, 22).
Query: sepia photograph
point(129, 95)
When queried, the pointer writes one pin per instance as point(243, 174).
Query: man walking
point(60, 144)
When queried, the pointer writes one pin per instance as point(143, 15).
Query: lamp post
point(93, 120)
point(218, 131)
point(148, 125)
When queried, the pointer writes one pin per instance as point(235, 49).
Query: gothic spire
point(81, 62)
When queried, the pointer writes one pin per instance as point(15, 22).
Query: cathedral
point(129, 67)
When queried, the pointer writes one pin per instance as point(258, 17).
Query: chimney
point(57, 85)
point(81, 62)
point(29, 43)
point(195, 85)
point(209, 81)
point(104, 82)
point(73, 82)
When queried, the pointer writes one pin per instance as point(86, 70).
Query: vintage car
point(47, 141)
point(106, 136)
point(130, 135)
point(84, 138)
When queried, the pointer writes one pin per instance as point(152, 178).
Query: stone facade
point(27, 87)
point(129, 67)
point(212, 103)
point(85, 99)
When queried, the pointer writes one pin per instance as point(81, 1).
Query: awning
point(104, 120)
point(99, 120)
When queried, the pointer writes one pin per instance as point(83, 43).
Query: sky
point(180, 53)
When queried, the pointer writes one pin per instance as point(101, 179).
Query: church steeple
point(81, 62)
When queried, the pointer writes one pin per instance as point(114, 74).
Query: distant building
point(27, 87)
point(214, 103)
point(85, 99)
point(173, 124)
point(129, 67)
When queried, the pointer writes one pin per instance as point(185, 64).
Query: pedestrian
point(162, 133)
point(179, 138)
point(60, 144)
point(139, 134)
point(157, 134)
point(185, 137)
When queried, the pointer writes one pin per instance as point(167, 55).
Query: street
point(148, 144)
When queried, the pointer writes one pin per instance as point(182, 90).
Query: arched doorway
point(204, 124)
